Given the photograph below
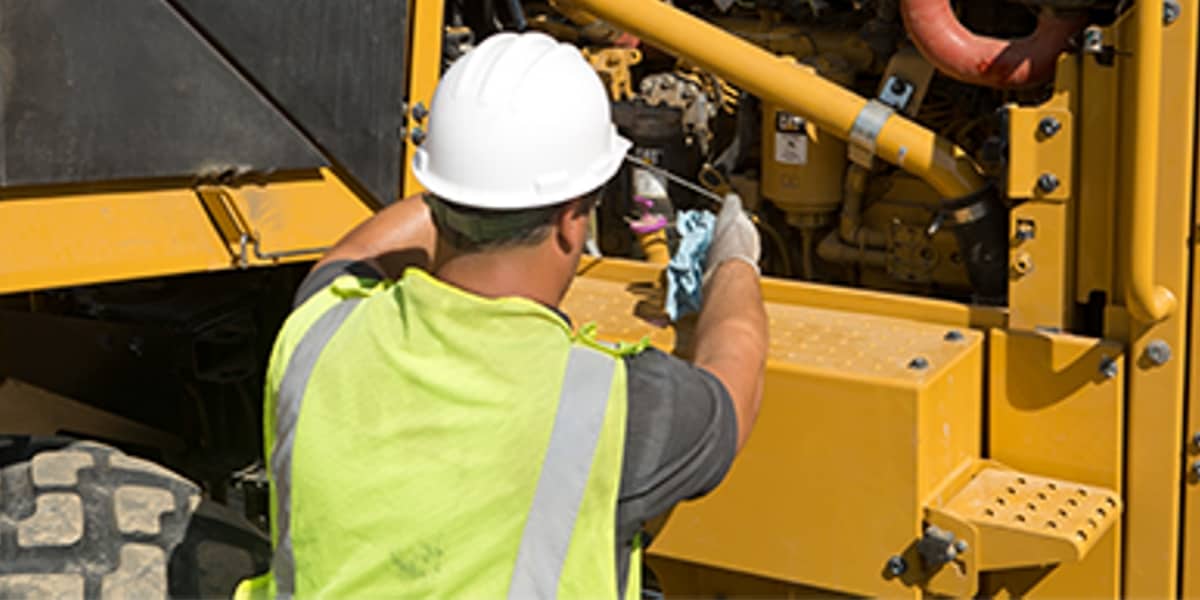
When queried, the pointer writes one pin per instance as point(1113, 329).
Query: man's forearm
point(731, 338)
point(396, 237)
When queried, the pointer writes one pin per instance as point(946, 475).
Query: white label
point(791, 148)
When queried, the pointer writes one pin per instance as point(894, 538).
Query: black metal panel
point(126, 89)
point(337, 67)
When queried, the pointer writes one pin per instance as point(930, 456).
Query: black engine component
point(980, 225)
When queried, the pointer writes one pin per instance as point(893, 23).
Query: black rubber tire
point(85, 520)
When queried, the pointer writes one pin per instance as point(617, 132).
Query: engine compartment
point(828, 210)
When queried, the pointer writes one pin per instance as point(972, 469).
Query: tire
point(85, 520)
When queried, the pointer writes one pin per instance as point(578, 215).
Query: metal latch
point(236, 230)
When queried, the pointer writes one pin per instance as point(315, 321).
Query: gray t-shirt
point(680, 431)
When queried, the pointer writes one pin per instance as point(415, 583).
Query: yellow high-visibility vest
point(426, 442)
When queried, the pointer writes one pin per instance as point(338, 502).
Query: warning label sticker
point(791, 148)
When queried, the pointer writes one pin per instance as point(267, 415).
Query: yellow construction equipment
point(979, 237)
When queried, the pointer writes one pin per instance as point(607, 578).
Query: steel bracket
point(1041, 153)
point(865, 131)
point(233, 226)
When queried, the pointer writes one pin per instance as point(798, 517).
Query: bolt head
point(1049, 126)
point(1196, 440)
point(1196, 469)
point(898, 86)
point(918, 363)
point(418, 135)
point(1109, 368)
point(961, 546)
point(896, 565)
point(1171, 11)
point(1048, 182)
point(1159, 352)
point(419, 112)
point(954, 335)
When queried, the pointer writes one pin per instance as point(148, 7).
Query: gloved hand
point(734, 238)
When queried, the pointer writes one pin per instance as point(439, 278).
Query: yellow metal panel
point(1054, 411)
point(1190, 563)
point(64, 239)
point(1154, 465)
point(1034, 154)
point(1097, 184)
point(841, 407)
point(424, 69)
point(689, 580)
point(61, 240)
point(1039, 292)
point(821, 296)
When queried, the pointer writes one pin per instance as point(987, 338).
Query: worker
point(436, 426)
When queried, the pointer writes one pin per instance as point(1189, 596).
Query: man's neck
point(517, 272)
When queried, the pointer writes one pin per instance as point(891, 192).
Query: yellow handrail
point(795, 87)
point(1146, 301)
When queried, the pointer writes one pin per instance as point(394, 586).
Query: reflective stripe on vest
point(562, 482)
point(565, 470)
point(287, 415)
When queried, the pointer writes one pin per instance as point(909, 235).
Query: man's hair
point(469, 230)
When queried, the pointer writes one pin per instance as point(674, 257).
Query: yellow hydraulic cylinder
point(795, 88)
point(1145, 300)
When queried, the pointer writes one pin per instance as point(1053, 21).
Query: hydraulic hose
point(987, 61)
point(796, 88)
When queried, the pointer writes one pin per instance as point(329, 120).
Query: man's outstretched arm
point(731, 335)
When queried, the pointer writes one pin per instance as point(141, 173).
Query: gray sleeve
point(681, 437)
point(322, 277)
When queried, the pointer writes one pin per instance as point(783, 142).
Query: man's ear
point(571, 226)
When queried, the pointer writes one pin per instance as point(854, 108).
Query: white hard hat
point(521, 121)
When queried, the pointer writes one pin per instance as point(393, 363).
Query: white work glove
point(734, 238)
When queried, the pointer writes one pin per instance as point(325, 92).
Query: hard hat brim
point(579, 184)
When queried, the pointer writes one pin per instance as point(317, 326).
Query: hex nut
point(1049, 126)
point(897, 566)
point(418, 135)
point(1171, 11)
point(1159, 352)
point(1109, 368)
point(419, 112)
point(1048, 182)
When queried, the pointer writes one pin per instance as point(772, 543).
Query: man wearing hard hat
point(447, 432)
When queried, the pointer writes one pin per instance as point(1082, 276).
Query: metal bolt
point(1171, 11)
point(1049, 126)
point(1093, 40)
point(1022, 263)
point(1196, 469)
point(896, 565)
point(918, 363)
point(1048, 182)
point(1196, 440)
point(953, 335)
point(1159, 352)
point(419, 112)
point(1026, 230)
point(1109, 368)
point(898, 86)
point(418, 135)
point(961, 546)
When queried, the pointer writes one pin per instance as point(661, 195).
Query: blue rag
point(685, 272)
